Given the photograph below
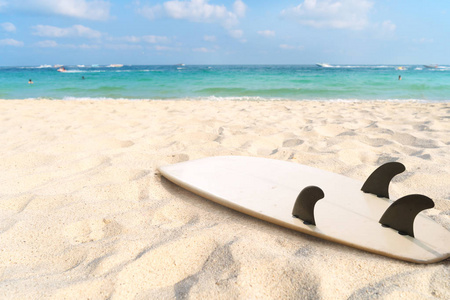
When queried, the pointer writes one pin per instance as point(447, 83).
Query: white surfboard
point(267, 189)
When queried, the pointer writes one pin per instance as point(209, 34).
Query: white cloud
point(3, 3)
point(83, 9)
point(130, 39)
point(8, 27)
point(239, 8)
point(87, 32)
point(11, 42)
point(47, 44)
point(290, 47)
point(164, 48)
point(123, 47)
point(236, 33)
point(151, 39)
point(341, 14)
point(209, 38)
point(388, 26)
point(267, 33)
point(384, 30)
point(423, 41)
point(203, 12)
point(54, 44)
point(85, 46)
point(203, 50)
point(200, 11)
point(74, 31)
point(151, 12)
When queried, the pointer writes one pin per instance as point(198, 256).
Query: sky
point(143, 32)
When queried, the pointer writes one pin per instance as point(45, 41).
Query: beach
point(85, 214)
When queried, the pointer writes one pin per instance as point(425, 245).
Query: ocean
point(238, 82)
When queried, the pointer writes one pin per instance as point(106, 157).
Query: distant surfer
point(399, 77)
point(30, 81)
point(82, 77)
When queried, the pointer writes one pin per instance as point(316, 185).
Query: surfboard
point(320, 203)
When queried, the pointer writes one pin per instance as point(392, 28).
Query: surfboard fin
point(304, 205)
point(378, 182)
point(400, 215)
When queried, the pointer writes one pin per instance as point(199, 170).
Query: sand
point(84, 213)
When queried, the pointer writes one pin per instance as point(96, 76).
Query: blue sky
point(35, 32)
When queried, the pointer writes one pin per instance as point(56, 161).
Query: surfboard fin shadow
point(378, 182)
point(400, 215)
point(304, 205)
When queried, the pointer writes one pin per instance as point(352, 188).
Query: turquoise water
point(297, 82)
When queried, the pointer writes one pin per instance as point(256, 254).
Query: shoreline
point(231, 98)
point(84, 212)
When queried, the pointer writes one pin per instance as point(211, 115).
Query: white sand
point(85, 215)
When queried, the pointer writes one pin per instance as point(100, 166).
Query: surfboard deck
point(267, 189)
